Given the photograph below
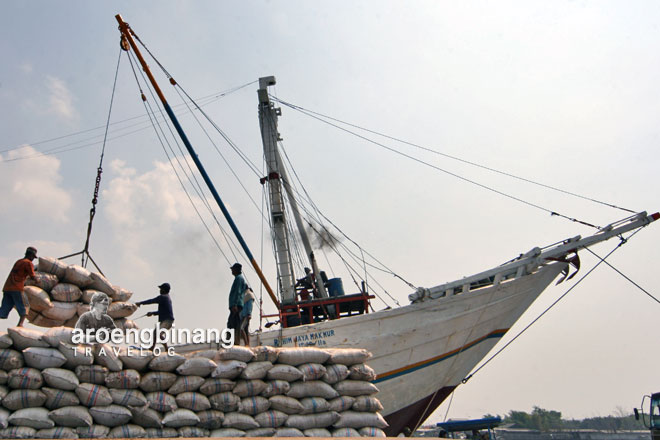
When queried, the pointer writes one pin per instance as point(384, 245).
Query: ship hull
point(422, 351)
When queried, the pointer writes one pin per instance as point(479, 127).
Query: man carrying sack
point(12, 296)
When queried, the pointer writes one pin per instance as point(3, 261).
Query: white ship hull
point(422, 351)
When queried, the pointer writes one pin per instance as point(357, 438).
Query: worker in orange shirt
point(12, 290)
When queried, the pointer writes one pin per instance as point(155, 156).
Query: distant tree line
point(546, 420)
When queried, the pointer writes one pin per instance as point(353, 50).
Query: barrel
point(335, 287)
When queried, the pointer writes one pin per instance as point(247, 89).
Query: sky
point(564, 93)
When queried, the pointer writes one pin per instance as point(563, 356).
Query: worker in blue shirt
point(164, 313)
point(236, 299)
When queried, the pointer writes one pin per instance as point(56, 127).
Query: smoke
point(322, 238)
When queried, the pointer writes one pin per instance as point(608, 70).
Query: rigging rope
point(230, 242)
point(155, 124)
point(314, 115)
point(309, 200)
point(437, 168)
point(430, 150)
point(626, 277)
point(63, 148)
point(352, 254)
point(97, 184)
point(295, 252)
point(255, 170)
point(302, 199)
point(179, 89)
point(621, 243)
point(451, 400)
point(176, 84)
point(99, 170)
point(348, 267)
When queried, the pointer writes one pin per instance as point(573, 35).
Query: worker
point(307, 284)
point(307, 289)
point(246, 314)
point(236, 299)
point(12, 291)
point(165, 313)
point(97, 317)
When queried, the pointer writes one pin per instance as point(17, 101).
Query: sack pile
point(62, 292)
point(50, 388)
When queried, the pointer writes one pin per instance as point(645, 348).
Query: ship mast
point(277, 178)
point(127, 36)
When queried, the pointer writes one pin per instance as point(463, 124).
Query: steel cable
point(430, 150)
point(621, 243)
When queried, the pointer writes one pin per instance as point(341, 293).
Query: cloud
point(145, 208)
point(31, 187)
point(26, 68)
point(60, 100)
point(156, 236)
point(136, 200)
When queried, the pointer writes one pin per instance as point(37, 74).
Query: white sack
point(61, 311)
point(186, 384)
point(25, 378)
point(216, 385)
point(19, 399)
point(95, 374)
point(38, 298)
point(193, 401)
point(199, 366)
point(228, 369)
point(93, 395)
point(180, 417)
point(36, 418)
point(42, 358)
point(110, 415)
point(271, 418)
point(71, 416)
point(66, 292)
point(313, 388)
point(26, 337)
point(157, 381)
point(77, 275)
point(302, 355)
point(59, 398)
point(284, 372)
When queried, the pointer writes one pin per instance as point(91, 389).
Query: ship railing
point(317, 310)
point(528, 263)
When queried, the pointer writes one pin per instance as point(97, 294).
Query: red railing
point(317, 310)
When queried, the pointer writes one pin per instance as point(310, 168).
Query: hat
point(165, 286)
point(31, 250)
point(238, 266)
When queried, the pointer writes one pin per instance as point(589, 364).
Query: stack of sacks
point(53, 389)
point(62, 292)
point(293, 392)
